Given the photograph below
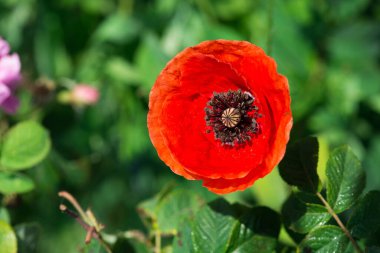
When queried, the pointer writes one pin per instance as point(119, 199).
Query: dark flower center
point(233, 117)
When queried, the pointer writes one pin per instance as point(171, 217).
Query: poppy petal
point(176, 118)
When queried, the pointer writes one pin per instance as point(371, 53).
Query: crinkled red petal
point(176, 116)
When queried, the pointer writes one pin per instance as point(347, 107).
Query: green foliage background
point(328, 49)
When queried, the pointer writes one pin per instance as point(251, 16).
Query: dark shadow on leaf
point(259, 220)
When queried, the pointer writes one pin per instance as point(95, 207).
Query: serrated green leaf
point(365, 219)
point(182, 243)
point(259, 244)
point(302, 217)
point(325, 239)
point(8, 241)
point(27, 237)
point(15, 183)
point(177, 207)
point(345, 179)
point(25, 145)
point(299, 166)
point(221, 227)
point(258, 229)
point(213, 228)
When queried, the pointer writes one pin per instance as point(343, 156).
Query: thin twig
point(90, 235)
point(86, 227)
point(157, 241)
point(340, 223)
point(74, 202)
point(83, 220)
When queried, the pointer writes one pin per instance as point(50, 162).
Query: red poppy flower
point(219, 112)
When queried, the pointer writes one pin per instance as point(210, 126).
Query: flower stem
point(340, 223)
point(157, 242)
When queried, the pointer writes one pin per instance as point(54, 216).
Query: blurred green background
point(328, 49)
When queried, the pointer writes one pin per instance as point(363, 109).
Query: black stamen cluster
point(247, 126)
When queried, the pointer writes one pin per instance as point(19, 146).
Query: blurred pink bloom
point(83, 94)
point(10, 67)
point(4, 47)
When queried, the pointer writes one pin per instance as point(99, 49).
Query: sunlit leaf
point(345, 179)
point(25, 145)
point(220, 227)
point(8, 241)
point(213, 228)
point(4, 215)
point(302, 217)
point(176, 208)
point(15, 183)
point(325, 239)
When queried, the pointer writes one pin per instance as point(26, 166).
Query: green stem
point(340, 223)
point(157, 242)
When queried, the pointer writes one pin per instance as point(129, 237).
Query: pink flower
point(10, 67)
point(83, 94)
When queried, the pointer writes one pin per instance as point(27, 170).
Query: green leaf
point(147, 208)
point(214, 227)
point(118, 69)
point(301, 217)
point(182, 243)
point(345, 179)
point(221, 227)
point(4, 215)
point(299, 166)
point(229, 10)
point(27, 237)
point(258, 230)
point(176, 208)
point(325, 239)
point(15, 183)
point(8, 241)
point(117, 28)
point(258, 243)
point(25, 145)
point(365, 219)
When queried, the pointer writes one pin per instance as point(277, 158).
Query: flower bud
point(83, 94)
